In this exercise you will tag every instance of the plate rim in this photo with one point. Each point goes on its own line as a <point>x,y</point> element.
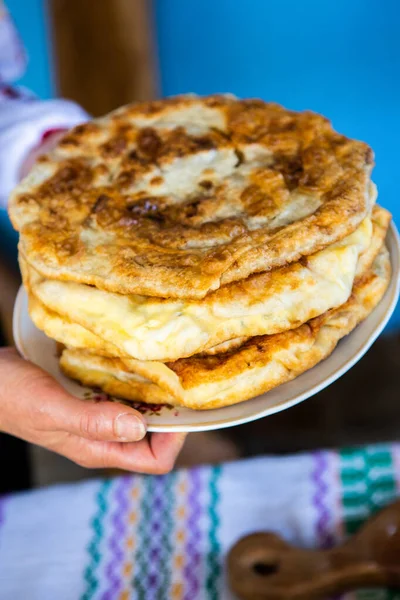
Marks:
<point>240,420</point>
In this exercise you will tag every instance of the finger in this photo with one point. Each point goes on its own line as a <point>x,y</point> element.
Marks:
<point>156,454</point>
<point>37,396</point>
<point>101,421</point>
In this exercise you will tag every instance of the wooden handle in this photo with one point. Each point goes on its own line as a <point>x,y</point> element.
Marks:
<point>262,566</point>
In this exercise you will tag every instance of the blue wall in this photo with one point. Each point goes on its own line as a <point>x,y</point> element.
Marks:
<point>340,58</point>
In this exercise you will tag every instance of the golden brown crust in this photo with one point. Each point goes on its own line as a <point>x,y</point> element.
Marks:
<point>177,197</point>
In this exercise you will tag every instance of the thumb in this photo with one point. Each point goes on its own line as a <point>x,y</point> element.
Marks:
<point>103,421</point>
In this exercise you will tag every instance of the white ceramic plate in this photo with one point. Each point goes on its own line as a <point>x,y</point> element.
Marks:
<point>38,348</point>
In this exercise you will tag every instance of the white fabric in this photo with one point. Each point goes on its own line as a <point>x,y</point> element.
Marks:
<point>159,538</point>
<point>48,537</point>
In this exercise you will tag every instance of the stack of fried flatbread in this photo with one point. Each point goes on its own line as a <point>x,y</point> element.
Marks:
<point>200,251</point>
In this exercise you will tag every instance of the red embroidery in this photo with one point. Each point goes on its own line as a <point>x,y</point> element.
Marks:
<point>50,132</point>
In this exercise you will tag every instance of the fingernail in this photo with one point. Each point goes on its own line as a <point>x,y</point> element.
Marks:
<point>129,427</point>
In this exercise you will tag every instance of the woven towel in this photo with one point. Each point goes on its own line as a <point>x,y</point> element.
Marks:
<point>142,537</point>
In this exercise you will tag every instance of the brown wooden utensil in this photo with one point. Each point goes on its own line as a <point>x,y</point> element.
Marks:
<point>262,566</point>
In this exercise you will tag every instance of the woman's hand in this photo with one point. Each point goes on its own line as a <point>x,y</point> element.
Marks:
<point>34,407</point>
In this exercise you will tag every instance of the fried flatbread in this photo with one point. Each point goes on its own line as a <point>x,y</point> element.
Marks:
<point>152,329</point>
<point>177,197</point>
<point>256,367</point>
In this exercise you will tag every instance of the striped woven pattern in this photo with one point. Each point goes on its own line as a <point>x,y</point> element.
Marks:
<point>156,538</point>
